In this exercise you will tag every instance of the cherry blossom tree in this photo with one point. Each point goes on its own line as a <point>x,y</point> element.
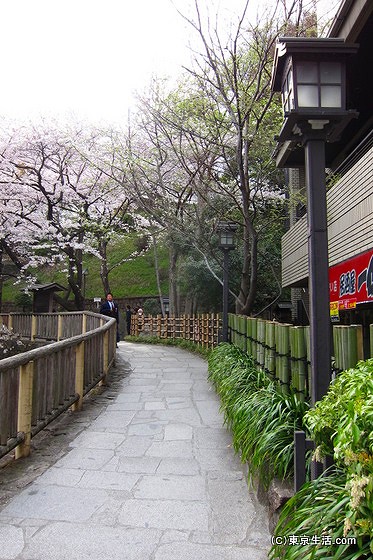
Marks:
<point>58,206</point>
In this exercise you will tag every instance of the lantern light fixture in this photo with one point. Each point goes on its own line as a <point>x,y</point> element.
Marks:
<point>227,232</point>
<point>311,76</point>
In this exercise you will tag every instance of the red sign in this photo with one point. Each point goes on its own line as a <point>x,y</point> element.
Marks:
<point>351,282</point>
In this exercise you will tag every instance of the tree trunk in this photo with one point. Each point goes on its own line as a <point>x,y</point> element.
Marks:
<point>104,271</point>
<point>156,264</point>
<point>173,279</point>
<point>75,276</point>
<point>1,280</point>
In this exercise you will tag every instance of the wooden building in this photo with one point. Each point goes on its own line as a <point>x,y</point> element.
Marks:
<point>350,190</point>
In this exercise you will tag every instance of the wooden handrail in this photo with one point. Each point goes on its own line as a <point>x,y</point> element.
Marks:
<point>34,390</point>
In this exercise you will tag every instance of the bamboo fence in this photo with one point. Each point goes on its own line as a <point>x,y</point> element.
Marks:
<point>281,350</point>
<point>201,329</point>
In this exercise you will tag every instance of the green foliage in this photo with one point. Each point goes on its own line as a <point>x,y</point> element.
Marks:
<point>197,282</point>
<point>24,301</point>
<point>261,418</point>
<point>133,278</point>
<point>342,424</point>
<point>152,307</point>
<point>317,513</point>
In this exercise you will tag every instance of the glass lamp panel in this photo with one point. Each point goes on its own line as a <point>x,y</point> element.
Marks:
<point>330,72</point>
<point>285,95</point>
<point>331,96</point>
<point>308,96</point>
<point>226,239</point>
<point>307,72</point>
<point>290,90</point>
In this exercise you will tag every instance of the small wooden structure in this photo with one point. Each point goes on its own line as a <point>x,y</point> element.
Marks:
<point>43,301</point>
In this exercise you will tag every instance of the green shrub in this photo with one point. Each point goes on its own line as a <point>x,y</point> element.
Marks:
<point>261,418</point>
<point>342,424</point>
<point>312,523</point>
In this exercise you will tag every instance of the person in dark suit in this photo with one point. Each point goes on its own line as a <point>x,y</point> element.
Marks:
<point>110,309</point>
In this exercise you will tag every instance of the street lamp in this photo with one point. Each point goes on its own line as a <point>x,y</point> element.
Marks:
<point>226,243</point>
<point>311,75</point>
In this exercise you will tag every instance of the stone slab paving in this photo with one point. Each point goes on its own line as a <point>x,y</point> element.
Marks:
<point>149,475</point>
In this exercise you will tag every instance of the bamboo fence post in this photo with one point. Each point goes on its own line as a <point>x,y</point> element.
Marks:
<point>249,336</point>
<point>254,326</point>
<point>236,335</point>
<point>348,345</point>
<point>359,342</point>
<point>261,329</point>
<point>216,324</point>
<point>270,342</point>
<point>231,334</point>
<point>299,365</point>
<point>307,337</point>
<point>282,347</point>
<point>205,330</point>
<point>243,333</point>
<point>10,321</point>
<point>24,416</point>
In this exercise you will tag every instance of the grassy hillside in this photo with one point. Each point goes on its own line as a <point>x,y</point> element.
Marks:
<point>134,278</point>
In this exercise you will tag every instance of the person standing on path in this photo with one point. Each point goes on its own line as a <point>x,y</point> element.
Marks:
<point>110,309</point>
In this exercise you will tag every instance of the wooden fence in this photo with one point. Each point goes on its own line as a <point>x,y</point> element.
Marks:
<point>200,329</point>
<point>37,386</point>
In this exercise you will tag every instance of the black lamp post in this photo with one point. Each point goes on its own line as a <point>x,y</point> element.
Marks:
<point>311,75</point>
<point>226,244</point>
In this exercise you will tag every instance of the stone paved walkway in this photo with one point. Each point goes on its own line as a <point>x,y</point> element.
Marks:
<point>146,473</point>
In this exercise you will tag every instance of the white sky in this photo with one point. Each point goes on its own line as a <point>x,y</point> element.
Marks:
<point>85,57</point>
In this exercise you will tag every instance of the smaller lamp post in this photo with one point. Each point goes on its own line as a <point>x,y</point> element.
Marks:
<point>226,243</point>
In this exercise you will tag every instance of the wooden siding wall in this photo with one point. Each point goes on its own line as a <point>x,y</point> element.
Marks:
<point>294,254</point>
<point>350,223</point>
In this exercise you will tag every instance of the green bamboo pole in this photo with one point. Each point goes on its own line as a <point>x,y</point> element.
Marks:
<point>249,333</point>
<point>283,348</point>
<point>371,340</point>
<point>298,351</point>
<point>254,323</point>
<point>261,330</point>
<point>231,324</point>
<point>270,360</point>
<point>242,327</point>
<point>233,332</point>
<point>348,340</point>
<point>336,345</point>
<point>238,334</point>
<point>308,354</point>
